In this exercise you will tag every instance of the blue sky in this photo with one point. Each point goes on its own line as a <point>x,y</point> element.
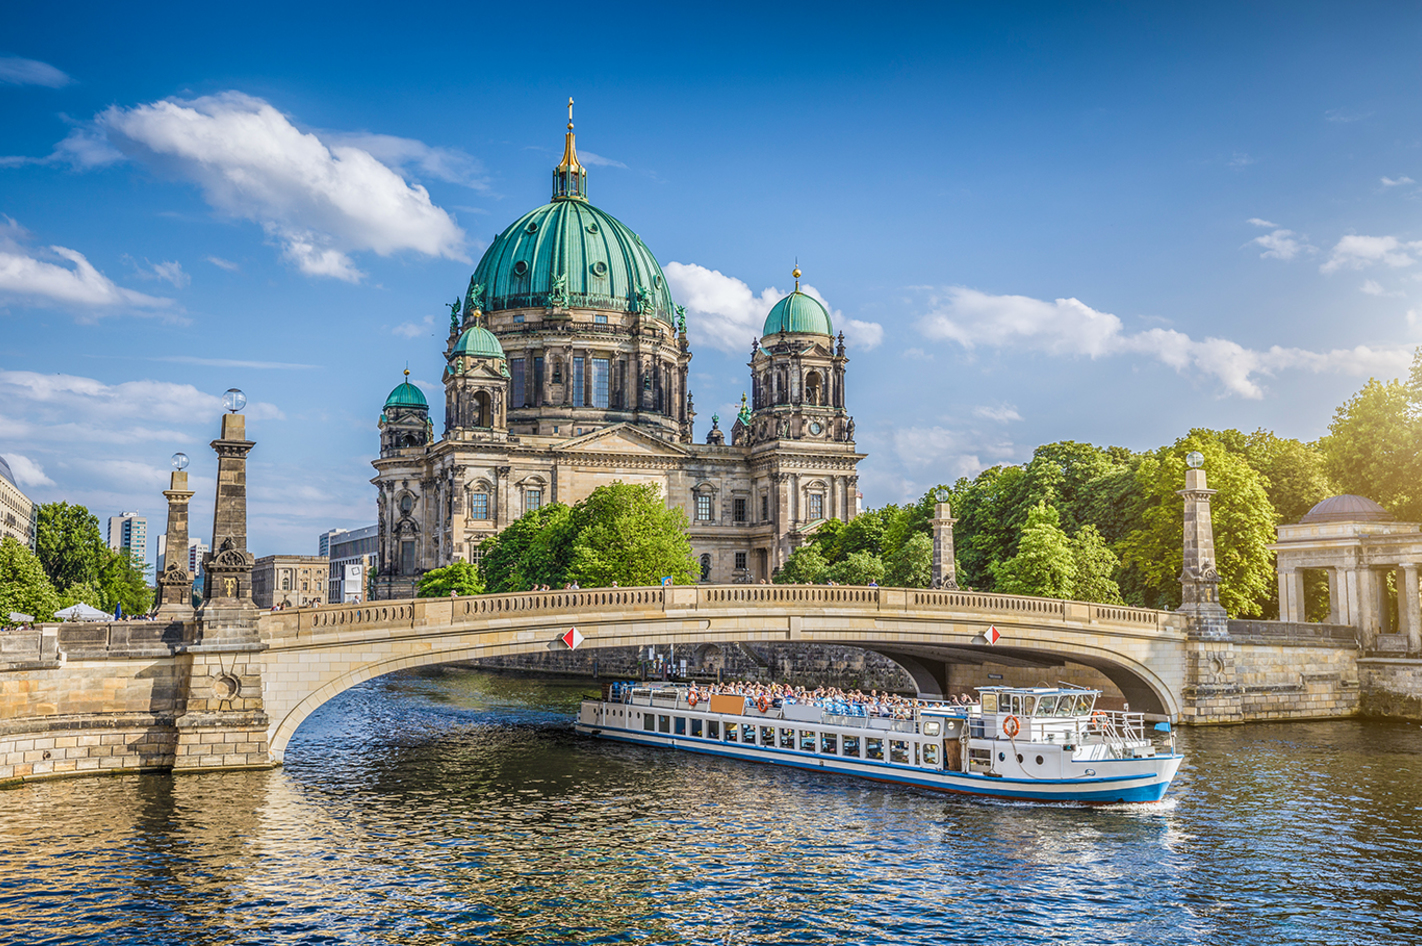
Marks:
<point>1035,222</point>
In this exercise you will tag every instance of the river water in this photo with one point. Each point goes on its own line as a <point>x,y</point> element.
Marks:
<point>457,807</point>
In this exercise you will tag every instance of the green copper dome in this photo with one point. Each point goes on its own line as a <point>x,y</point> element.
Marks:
<point>602,264</point>
<point>480,343</point>
<point>407,395</point>
<point>798,312</point>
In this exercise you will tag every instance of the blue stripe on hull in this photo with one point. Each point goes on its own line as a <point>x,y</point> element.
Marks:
<point>987,787</point>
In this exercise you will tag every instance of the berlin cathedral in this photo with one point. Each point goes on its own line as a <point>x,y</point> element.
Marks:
<point>566,369</point>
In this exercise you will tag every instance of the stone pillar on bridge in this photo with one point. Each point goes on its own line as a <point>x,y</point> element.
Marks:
<point>224,724</point>
<point>1199,578</point>
<point>175,584</point>
<point>945,567</point>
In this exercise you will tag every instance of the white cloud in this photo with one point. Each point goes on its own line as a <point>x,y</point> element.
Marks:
<point>320,202</point>
<point>1259,222</point>
<point>597,160</point>
<point>1281,244</point>
<point>1374,288</point>
<point>62,397</point>
<point>221,263</point>
<point>171,271</point>
<point>27,472</point>
<point>17,71</point>
<point>1070,327</point>
<point>725,314</point>
<point>39,276</point>
<point>1241,159</point>
<point>413,330</point>
<point>1339,115</point>
<point>1360,252</point>
<point>443,164</point>
<point>1002,413</point>
<point>1397,181</point>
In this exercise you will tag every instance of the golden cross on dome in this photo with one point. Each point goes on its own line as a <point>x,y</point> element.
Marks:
<point>570,113</point>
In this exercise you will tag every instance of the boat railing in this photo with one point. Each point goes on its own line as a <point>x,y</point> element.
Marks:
<point>1117,725</point>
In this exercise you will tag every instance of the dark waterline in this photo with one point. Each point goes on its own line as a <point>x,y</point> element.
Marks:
<point>457,807</point>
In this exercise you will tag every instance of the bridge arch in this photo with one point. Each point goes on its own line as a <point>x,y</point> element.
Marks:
<point>315,654</point>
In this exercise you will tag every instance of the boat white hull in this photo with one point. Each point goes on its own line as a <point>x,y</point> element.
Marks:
<point>1116,780</point>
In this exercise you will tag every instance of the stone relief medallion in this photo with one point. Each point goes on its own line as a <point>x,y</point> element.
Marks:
<point>226,686</point>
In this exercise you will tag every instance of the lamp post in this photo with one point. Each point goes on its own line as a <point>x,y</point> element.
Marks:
<point>175,584</point>
<point>227,608</point>
<point>1199,577</point>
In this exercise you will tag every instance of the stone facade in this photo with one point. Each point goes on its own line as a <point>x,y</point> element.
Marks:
<point>17,512</point>
<point>1273,670</point>
<point>290,581</point>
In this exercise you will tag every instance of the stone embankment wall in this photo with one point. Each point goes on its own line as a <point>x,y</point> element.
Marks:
<point>109,704</point>
<point>1391,687</point>
<point>1268,670</point>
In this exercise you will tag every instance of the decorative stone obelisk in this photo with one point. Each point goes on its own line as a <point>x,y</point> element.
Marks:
<point>225,725</point>
<point>228,612</point>
<point>1199,578</point>
<point>945,567</point>
<point>175,584</point>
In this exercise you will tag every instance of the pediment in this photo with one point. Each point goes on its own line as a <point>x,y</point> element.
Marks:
<point>624,440</point>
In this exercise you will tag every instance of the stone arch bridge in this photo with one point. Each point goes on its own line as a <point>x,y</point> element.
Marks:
<point>312,655</point>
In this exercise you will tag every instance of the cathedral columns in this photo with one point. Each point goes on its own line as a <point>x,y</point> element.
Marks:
<point>501,496</point>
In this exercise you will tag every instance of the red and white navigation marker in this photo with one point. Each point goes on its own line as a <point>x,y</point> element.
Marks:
<point>992,635</point>
<point>572,638</point>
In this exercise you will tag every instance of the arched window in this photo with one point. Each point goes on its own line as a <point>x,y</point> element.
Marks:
<point>706,567</point>
<point>483,410</point>
<point>814,394</point>
<point>407,502</point>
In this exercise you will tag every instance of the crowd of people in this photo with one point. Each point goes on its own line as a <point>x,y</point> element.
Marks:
<point>851,702</point>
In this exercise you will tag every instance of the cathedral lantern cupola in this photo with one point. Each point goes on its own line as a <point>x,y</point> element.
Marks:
<point>476,382</point>
<point>405,421</point>
<point>570,178</point>
<point>797,374</point>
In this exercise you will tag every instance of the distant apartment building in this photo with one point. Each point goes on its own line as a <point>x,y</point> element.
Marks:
<point>351,553</point>
<point>128,531</point>
<point>290,581</point>
<point>17,512</point>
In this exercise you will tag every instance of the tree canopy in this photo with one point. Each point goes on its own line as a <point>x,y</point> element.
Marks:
<point>461,578</point>
<point>24,587</point>
<point>622,533</point>
<point>82,567</point>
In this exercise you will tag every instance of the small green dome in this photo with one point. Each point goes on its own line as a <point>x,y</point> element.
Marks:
<point>479,342</point>
<point>406,395</point>
<point>602,264</point>
<point>798,312</point>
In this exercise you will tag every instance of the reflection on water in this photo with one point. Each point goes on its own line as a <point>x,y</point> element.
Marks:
<point>457,807</point>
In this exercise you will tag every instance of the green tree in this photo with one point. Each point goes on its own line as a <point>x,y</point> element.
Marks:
<point>122,582</point>
<point>462,578</point>
<point>1372,445</point>
<point>81,594</point>
<point>626,534</point>
<point>1243,519</point>
<point>1044,564</point>
<point>805,566</point>
<point>24,587</point>
<point>68,544</point>
<point>522,555</point>
<point>1093,565</point>
<point>911,566</point>
<point>856,568</point>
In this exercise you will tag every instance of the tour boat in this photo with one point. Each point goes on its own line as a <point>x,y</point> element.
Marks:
<point>1037,744</point>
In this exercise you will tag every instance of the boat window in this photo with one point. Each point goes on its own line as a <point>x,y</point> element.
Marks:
<point>648,723</point>
<point>1085,702</point>
<point>681,726</point>
<point>874,749</point>
<point>787,738</point>
<point>829,743</point>
<point>989,702</point>
<point>1066,704</point>
<point>807,741</point>
<point>696,727</point>
<point>664,723</point>
<point>930,754</point>
<point>931,727</point>
<point>748,734</point>
<point>767,735</point>
<point>731,732</point>
<point>1029,705</point>
<point>713,729</point>
<point>850,745</point>
<point>1047,706</point>
<point>898,751</point>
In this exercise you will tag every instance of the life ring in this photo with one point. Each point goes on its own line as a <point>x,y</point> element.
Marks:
<point>692,700</point>
<point>763,703</point>
<point>1098,719</point>
<point>1011,727</point>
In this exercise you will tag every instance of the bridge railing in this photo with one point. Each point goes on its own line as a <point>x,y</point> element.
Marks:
<point>444,611</point>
